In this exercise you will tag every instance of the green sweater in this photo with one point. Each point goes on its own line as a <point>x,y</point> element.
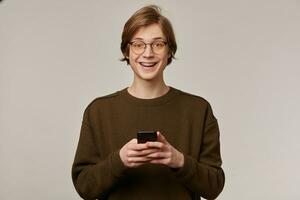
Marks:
<point>110,121</point>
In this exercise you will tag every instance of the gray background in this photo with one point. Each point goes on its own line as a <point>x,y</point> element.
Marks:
<point>241,55</point>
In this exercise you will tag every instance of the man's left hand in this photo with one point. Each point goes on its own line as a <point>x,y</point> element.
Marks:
<point>166,153</point>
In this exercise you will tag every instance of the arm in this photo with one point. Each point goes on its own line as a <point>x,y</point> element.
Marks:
<point>93,175</point>
<point>205,176</point>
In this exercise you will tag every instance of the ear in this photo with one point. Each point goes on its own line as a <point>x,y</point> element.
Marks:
<point>126,56</point>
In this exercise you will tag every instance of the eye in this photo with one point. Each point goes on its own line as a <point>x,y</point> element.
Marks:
<point>159,44</point>
<point>138,45</point>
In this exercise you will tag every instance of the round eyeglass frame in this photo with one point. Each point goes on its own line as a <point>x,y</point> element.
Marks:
<point>145,46</point>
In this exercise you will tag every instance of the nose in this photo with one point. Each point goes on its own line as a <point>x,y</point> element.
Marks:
<point>148,51</point>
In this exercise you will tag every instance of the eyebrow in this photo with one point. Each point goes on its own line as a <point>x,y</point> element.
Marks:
<point>156,38</point>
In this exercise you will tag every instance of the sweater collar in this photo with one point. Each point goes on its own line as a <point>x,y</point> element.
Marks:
<point>149,102</point>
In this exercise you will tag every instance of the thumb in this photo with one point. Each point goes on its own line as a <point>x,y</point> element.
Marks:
<point>161,138</point>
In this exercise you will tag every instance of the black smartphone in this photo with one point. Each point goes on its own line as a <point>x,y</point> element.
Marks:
<point>144,136</point>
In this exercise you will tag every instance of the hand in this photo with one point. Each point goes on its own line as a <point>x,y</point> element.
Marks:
<point>133,154</point>
<point>166,155</point>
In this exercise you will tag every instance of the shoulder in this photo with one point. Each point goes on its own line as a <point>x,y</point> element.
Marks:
<point>102,100</point>
<point>192,98</point>
<point>197,102</point>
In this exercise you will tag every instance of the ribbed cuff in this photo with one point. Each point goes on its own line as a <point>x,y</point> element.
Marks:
<point>187,170</point>
<point>117,166</point>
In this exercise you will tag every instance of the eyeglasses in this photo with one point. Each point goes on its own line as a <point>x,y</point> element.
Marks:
<point>139,47</point>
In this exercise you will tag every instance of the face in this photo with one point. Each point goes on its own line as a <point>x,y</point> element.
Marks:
<point>149,65</point>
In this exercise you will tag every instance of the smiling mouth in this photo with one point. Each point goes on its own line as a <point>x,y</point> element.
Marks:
<point>148,64</point>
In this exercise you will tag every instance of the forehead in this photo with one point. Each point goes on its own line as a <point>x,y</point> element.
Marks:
<point>150,32</point>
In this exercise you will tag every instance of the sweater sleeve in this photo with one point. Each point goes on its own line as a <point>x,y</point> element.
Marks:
<point>93,175</point>
<point>205,175</point>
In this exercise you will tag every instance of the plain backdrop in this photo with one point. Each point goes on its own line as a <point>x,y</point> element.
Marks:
<point>243,56</point>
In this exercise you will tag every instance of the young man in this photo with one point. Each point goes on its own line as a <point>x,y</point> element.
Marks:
<point>184,162</point>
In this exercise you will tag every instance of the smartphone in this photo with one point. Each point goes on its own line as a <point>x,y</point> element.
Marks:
<point>144,136</point>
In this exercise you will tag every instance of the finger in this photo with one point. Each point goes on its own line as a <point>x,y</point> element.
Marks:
<point>155,145</point>
<point>133,141</point>
<point>138,147</point>
<point>142,152</point>
<point>137,164</point>
<point>164,161</point>
<point>159,155</point>
<point>161,138</point>
<point>137,159</point>
<point>149,151</point>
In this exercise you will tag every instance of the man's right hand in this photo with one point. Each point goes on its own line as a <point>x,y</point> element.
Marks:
<point>133,154</point>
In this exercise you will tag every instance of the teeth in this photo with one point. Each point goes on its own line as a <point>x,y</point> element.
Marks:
<point>148,64</point>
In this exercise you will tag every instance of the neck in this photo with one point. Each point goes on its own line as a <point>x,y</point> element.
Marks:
<point>148,90</point>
